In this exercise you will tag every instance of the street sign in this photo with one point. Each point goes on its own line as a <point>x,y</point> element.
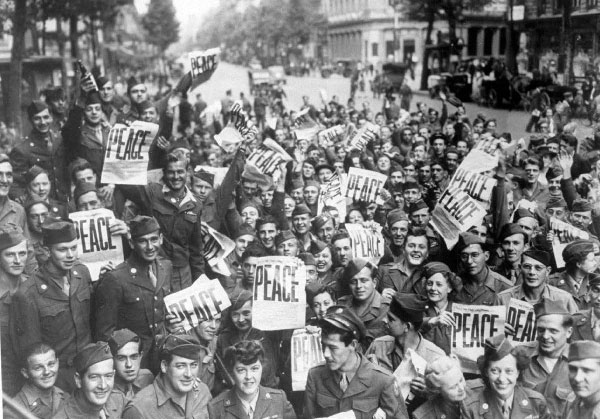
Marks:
<point>518,13</point>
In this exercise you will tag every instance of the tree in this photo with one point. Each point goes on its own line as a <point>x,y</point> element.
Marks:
<point>13,102</point>
<point>161,24</point>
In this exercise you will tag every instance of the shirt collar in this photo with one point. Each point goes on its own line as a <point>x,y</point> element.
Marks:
<point>188,194</point>
<point>162,395</point>
<point>251,404</point>
<point>32,394</point>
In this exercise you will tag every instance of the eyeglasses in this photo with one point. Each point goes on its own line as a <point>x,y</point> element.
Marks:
<point>465,256</point>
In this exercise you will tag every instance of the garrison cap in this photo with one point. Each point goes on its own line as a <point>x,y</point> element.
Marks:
<point>131,82</point>
<point>539,255</point>
<point>317,246</point>
<point>553,172</point>
<point>522,213</point>
<point>581,205</point>
<point>33,172</point>
<point>577,250</point>
<point>58,231</point>
<point>497,347</point>
<point>584,349</point>
<point>411,183</point>
<point>395,216</point>
<point>120,338</point>
<point>185,346</point>
<point>11,238</point>
<point>313,183</point>
<point>408,307</point>
<point>284,236</point>
<point>355,266</point>
<point>101,81</point>
<point>324,166</point>
<point>344,319</point>
<point>93,98</point>
<point>244,229</point>
<point>91,354</point>
<point>36,107</point>
<point>433,268</point>
<point>82,188</point>
<point>146,104</point>
<point>307,258</point>
<point>297,183</point>
<point>142,225</point>
<point>320,220</point>
<point>180,143</point>
<point>467,239</point>
<point>300,209</point>
<point>205,176</point>
<point>547,306</point>
<point>511,229</point>
<point>417,206</point>
<point>556,202</point>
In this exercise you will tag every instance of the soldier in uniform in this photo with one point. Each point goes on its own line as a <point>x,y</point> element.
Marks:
<point>502,397</point>
<point>584,376</point>
<point>206,333</point>
<point>131,296</point>
<point>176,391</point>
<point>126,349</point>
<point>348,381</point>
<point>94,379</point>
<point>39,395</point>
<point>535,268</point>
<point>248,399</point>
<point>585,323</point>
<point>54,305</point>
<point>548,372</point>
<point>11,213</point>
<point>513,240</point>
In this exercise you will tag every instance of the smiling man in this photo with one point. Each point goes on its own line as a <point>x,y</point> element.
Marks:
<point>584,376</point>
<point>514,242</point>
<point>94,379</point>
<point>248,399</point>
<point>126,349</point>
<point>53,306</point>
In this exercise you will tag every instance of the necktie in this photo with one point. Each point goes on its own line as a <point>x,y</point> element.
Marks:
<point>66,288</point>
<point>152,276</point>
<point>505,410</point>
<point>344,382</point>
<point>596,331</point>
<point>250,412</point>
<point>102,414</point>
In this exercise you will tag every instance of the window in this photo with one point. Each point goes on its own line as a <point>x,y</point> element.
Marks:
<point>502,50</point>
<point>374,49</point>
<point>488,41</point>
<point>389,48</point>
<point>472,34</point>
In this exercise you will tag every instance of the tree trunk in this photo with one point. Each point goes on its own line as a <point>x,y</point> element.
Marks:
<point>567,40</point>
<point>44,37</point>
<point>510,53</point>
<point>61,39</point>
<point>35,38</point>
<point>94,42</point>
<point>74,37</point>
<point>425,68</point>
<point>13,111</point>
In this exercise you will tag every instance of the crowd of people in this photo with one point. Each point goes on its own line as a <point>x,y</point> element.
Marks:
<point>74,346</point>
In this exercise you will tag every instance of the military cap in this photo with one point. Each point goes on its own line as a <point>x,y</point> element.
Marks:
<point>33,200</point>
<point>132,82</point>
<point>320,220</point>
<point>120,338</point>
<point>497,347</point>
<point>283,236</point>
<point>536,140</point>
<point>417,206</point>
<point>300,209</point>
<point>397,188</point>
<point>522,213</point>
<point>4,158</point>
<point>101,81</point>
<point>556,202</point>
<point>205,176</point>
<point>437,135</point>
<point>507,136</point>
<point>581,205</point>
<point>33,172</point>
<point>433,268</point>
<point>185,346</point>
<point>547,306</point>
<point>511,229</point>
<point>395,216</point>
<point>180,143</point>
<point>324,166</point>
<point>142,225</point>
<point>451,149</point>
<point>82,188</point>
<point>10,238</point>
<point>307,258</point>
<point>244,229</point>
<point>395,167</point>
<point>577,250</point>
<point>408,307</point>
<point>553,172</point>
<point>467,239</point>
<point>344,319</point>
<point>91,354</point>
<point>539,255</point>
<point>312,183</point>
<point>36,107</point>
<point>58,231</point>
<point>584,349</point>
<point>317,246</point>
<point>310,160</point>
<point>411,183</point>
<point>516,172</point>
<point>297,183</point>
<point>355,266</point>
<point>93,98</point>
<point>249,203</point>
<point>146,104</point>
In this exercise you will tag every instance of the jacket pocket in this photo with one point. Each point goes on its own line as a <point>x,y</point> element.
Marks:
<point>55,321</point>
<point>365,407</point>
<point>327,405</point>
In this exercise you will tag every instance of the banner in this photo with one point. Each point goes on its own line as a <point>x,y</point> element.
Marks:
<point>474,324</point>
<point>521,317</point>
<point>366,243</point>
<point>126,154</point>
<point>474,184</point>
<point>478,161</point>
<point>216,248</point>
<point>364,185</point>
<point>455,212</point>
<point>267,157</point>
<point>201,301</point>
<point>306,353</point>
<point>279,296</point>
<point>564,233</point>
<point>367,133</point>
<point>96,246</point>
<point>241,121</point>
<point>331,194</point>
<point>203,61</point>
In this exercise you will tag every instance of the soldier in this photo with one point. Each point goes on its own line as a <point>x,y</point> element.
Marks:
<point>348,381</point>
<point>131,296</point>
<point>514,241</point>
<point>585,323</point>
<point>126,349</point>
<point>39,395</point>
<point>11,213</point>
<point>94,379</point>
<point>248,399</point>
<point>54,305</point>
<point>548,371</point>
<point>584,376</point>
<point>176,391</point>
<point>206,333</point>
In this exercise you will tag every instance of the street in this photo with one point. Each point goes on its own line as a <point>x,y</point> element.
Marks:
<point>229,76</point>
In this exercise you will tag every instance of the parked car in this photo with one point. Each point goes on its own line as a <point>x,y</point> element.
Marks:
<point>277,74</point>
<point>258,79</point>
<point>326,70</point>
<point>458,84</point>
<point>392,77</point>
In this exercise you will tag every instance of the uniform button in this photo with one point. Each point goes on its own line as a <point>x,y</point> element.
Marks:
<point>137,299</point>
<point>133,270</point>
<point>524,402</point>
<point>54,209</point>
<point>485,406</point>
<point>38,159</point>
<point>172,199</point>
<point>155,298</point>
<point>32,145</point>
<point>74,272</point>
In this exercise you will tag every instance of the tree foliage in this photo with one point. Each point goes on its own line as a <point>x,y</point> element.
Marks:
<point>161,24</point>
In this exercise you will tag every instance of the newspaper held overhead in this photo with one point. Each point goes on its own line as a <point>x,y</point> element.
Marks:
<point>332,194</point>
<point>306,353</point>
<point>364,185</point>
<point>564,233</point>
<point>366,243</point>
<point>201,301</point>
<point>202,62</point>
<point>96,246</point>
<point>364,136</point>
<point>216,248</point>
<point>279,299</point>
<point>267,157</point>
<point>126,155</point>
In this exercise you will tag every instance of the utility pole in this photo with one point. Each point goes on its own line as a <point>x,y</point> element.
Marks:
<point>396,5</point>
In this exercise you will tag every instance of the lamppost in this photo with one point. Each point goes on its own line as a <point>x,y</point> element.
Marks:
<point>396,5</point>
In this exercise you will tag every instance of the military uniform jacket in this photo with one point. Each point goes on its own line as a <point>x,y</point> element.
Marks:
<point>78,408</point>
<point>271,404</point>
<point>582,326</point>
<point>438,408</point>
<point>527,404</point>
<point>471,293</point>
<point>389,355</point>
<point>154,402</point>
<point>581,296</point>
<point>578,410</point>
<point>47,314</point>
<point>371,388</point>
<point>125,298</point>
<point>395,276</point>
<point>374,317</point>
<point>29,398</point>
<point>549,292</point>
